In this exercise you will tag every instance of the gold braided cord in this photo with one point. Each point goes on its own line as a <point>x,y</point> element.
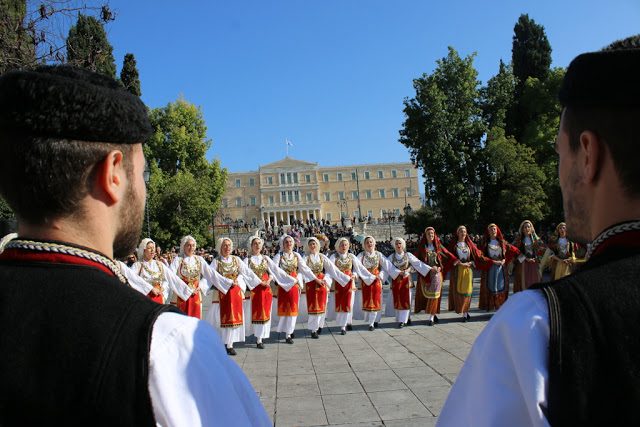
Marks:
<point>190,272</point>
<point>58,248</point>
<point>289,266</point>
<point>155,277</point>
<point>402,263</point>
<point>228,269</point>
<point>316,267</point>
<point>370,261</point>
<point>618,229</point>
<point>344,264</point>
<point>259,269</point>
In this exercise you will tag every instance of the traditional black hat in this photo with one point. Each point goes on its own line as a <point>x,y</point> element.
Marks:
<point>606,78</point>
<point>71,103</point>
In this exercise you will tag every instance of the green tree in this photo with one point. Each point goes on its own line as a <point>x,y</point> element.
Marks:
<point>423,218</point>
<point>185,188</point>
<point>129,75</point>
<point>514,190</point>
<point>443,132</point>
<point>5,210</point>
<point>498,97</point>
<point>88,47</point>
<point>31,31</point>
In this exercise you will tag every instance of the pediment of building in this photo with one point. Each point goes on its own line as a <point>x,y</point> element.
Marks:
<point>288,163</point>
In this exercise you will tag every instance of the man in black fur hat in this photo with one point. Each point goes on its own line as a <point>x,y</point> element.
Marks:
<point>78,345</point>
<point>567,352</point>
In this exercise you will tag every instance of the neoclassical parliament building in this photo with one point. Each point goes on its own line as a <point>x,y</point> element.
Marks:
<point>290,189</point>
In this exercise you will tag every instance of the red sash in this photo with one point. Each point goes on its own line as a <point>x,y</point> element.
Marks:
<point>261,298</point>
<point>343,295</point>
<point>372,294</point>
<point>288,300</point>
<point>401,296</point>
<point>317,297</point>
<point>231,307</point>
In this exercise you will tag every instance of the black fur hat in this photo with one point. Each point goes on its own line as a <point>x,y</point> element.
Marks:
<point>71,103</point>
<point>606,78</point>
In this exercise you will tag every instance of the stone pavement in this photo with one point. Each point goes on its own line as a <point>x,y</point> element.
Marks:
<point>389,376</point>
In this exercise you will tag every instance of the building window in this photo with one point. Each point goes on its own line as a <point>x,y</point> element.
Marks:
<point>295,177</point>
<point>327,197</point>
<point>307,178</point>
<point>238,182</point>
<point>254,220</point>
<point>381,194</point>
<point>396,212</point>
<point>328,216</point>
<point>283,197</point>
<point>296,196</point>
<point>271,201</point>
<point>252,182</point>
<point>354,195</point>
<point>370,214</point>
<point>238,201</point>
<point>340,195</point>
<point>325,177</point>
<point>270,180</point>
<point>353,176</point>
<point>224,203</point>
<point>394,192</point>
<point>394,174</point>
<point>380,174</point>
<point>367,194</point>
<point>356,214</point>
<point>339,176</point>
<point>366,175</point>
<point>407,173</point>
<point>282,179</point>
<point>252,201</point>
<point>309,196</point>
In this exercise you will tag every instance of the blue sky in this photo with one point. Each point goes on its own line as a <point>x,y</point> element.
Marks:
<point>329,75</point>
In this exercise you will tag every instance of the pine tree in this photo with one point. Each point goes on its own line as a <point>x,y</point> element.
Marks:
<point>129,75</point>
<point>88,47</point>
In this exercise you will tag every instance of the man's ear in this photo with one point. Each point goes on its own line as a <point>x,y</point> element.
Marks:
<point>591,147</point>
<point>110,178</point>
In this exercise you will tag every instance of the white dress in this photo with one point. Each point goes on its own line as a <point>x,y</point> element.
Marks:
<point>402,316</point>
<point>386,269</point>
<point>357,271</point>
<point>287,324</point>
<point>263,330</point>
<point>170,281</point>
<point>245,277</point>
<point>331,272</point>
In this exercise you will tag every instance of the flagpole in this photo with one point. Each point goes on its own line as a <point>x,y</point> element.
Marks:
<point>286,142</point>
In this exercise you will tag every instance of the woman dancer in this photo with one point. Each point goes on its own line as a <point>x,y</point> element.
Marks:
<point>226,312</point>
<point>381,268</point>
<point>401,285</point>
<point>194,271</point>
<point>532,250</point>
<point>563,253</point>
<point>429,287</point>
<point>289,295</point>
<point>318,294</point>
<point>261,295</point>
<point>461,279</point>
<point>344,295</point>
<point>494,285</point>
<point>157,275</point>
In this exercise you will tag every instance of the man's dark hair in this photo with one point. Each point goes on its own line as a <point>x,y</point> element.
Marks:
<point>57,123</point>
<point>601,93</point>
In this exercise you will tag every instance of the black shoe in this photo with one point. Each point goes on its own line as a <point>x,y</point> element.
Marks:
<point>314,335</point>
<point>231,352</point>
<point>289,340</point>
<point>401,325</point>
<point>430,323</point>
<point>260,345</point>
<point>349,328</point>
<point>468,317</point>
<point>293,334</point>
<point>375,324</point>
<point>343,332</point>
<point>319,331</point>
<point>435,319</point>
<point>465,320</point>
<point>409,322</point>
<point>371,328</point>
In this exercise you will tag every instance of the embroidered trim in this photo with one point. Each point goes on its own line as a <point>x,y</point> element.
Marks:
<point>613,231</point>
<point>68,250</point>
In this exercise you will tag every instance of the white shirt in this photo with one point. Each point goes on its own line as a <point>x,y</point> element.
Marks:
<point>504,380</point>
<point>192,380</point>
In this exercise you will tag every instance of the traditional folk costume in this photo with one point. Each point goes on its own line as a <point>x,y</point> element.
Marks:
<point>461,278</point>
<point>345,294</point>
<point>371,295</point>
<point>531,248</point>
<point>429,287</point>
<point>565,249</point>
<point>262,296</point>
<point>402,285</point>
<point>494,284</point>
<point>289,294</point>
<point>318,295</point>
<point>158,275</point>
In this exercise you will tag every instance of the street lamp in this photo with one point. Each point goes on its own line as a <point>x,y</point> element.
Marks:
<point>389,214</point>
<point>227,220</point>
<point>407,211</point>
<point>146,175</point>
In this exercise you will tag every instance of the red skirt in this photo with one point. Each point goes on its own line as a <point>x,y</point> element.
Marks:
<point>261,298</point>
<point>372,296</point>
<point>159,299</point>
<point>343,297</point>
<point>288,301</point>
<point>401,296</point>
<point>316,297</point>
<point>192,306</point>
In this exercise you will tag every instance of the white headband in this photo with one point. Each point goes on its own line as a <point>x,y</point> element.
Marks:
<point>142,247</point>
<point>184,241</point>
